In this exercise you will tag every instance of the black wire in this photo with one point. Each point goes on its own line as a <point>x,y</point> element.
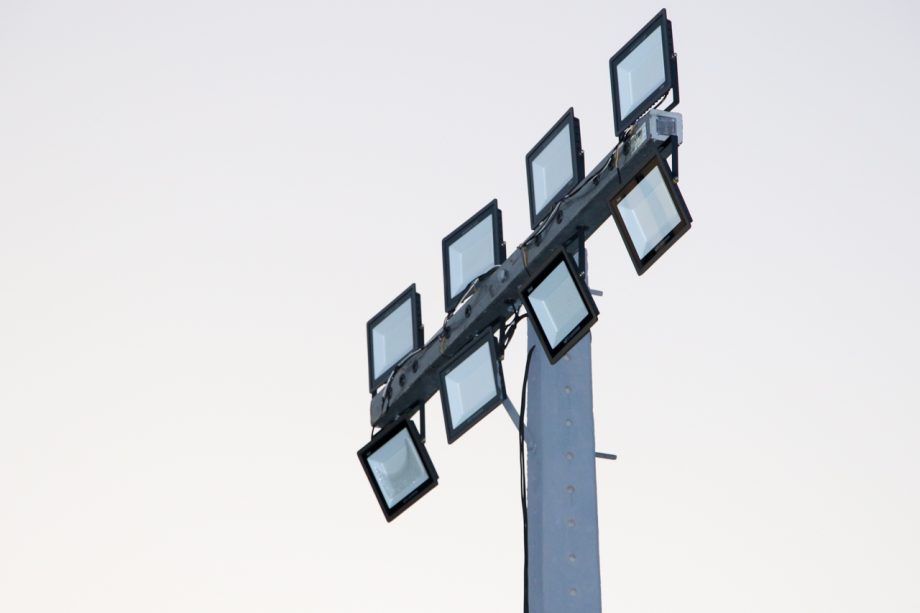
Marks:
<point>523,474</point>
<point>508,332</point>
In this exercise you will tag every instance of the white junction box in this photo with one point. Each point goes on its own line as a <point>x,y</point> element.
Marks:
<point>659,126</point>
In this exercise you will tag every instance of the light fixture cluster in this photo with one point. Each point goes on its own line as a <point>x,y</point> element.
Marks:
<point>648,210</point>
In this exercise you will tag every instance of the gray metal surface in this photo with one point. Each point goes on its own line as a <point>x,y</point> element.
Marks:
<point>564,564</point>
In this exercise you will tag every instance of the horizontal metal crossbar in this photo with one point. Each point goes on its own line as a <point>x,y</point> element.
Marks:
<point>496,295</point>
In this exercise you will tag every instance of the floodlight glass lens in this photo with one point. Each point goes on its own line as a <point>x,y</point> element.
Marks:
<point>470,385</point>
<point>552,169</point>
<point>640,73</point>
<point>392,338</point>
<point>649,212</point>
<point>558,305</point>
<point>471,255</point>
<point>397,468</point>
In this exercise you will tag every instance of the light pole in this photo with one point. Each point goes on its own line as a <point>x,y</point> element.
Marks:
<point>484,293</point>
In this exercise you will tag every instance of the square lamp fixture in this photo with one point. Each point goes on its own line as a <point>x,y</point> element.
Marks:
<point>470,250</point>
<point>560,306</point>
<point>554,166</point>
<point>398,468</point>
<point>650,213</point>
<point>643,72</point>
<point>392,334</point>
<point>471,387</point>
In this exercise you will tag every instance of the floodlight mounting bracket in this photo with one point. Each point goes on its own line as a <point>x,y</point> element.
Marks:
<point>584,211</point>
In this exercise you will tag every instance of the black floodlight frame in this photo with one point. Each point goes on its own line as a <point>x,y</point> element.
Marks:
<point>453,433</point>
<point>418,333</point>
<point>578,164</point>
<point>498,247</point>
<point>670,73</point>
<point>643,264</point>
<point>378,441</point>
<point>582,328</point>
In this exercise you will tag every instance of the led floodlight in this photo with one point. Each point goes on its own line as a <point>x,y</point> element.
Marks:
<point>471,387</point>
<point>554,166</point>
<point>643,72</point>
<point>470,250</point>
<point>650,214</point>
<point>398,468</point>
<point>560,306</point>
<point>392,334</point>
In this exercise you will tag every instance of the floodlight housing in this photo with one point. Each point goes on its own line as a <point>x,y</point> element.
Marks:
<point>471,387</point>
<point>559,306</point>
<point>470,250</point>
<point>398,467</point>
<point>650,213</point>
<point>392,334</point>
<point>555,165</point>
<point>642,72</point>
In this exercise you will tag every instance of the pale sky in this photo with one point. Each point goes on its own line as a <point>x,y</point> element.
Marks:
<point>202,203</point>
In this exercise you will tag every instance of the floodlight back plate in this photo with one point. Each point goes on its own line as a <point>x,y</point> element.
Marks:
<point>621,124</point>
<point>578,165</point>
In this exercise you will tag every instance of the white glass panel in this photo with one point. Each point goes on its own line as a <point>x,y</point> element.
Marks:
<point>470,255</point>
<point>470,385</point>
<point>552,169</point>
<point>649,212</point>
<point>397,468</point>
<point>640,73</point>
<point>558,305</point>
<point>392,338</point>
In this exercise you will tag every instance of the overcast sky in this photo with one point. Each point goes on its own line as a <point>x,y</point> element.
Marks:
<point>202,203</point>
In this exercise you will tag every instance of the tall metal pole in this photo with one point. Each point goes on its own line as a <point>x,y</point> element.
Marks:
<point>563,558</point>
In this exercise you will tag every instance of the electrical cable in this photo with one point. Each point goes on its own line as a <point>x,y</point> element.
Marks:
<point>508,331</point>
<point>523,474</point>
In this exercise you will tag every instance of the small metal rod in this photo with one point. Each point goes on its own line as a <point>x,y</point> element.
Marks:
<point>605,456</point>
